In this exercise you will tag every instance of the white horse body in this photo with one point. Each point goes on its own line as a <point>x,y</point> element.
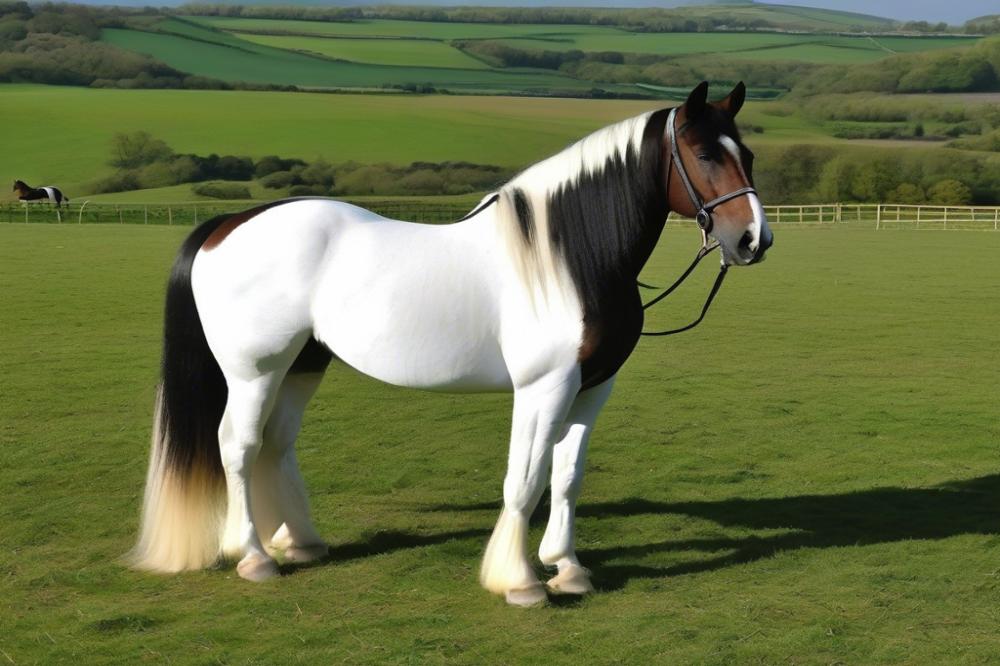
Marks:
<point>435,307</point>
<point>535,292</point>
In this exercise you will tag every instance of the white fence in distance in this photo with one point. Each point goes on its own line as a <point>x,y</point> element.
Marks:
<point>877,216</point>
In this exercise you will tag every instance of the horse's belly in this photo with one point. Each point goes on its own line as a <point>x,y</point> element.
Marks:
<point>413,307</point>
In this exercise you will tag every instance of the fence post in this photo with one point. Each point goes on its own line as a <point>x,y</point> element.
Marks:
<point>945,217</point>
<point>919,208</point>
<point>996,218</point>
<point>878,216</point>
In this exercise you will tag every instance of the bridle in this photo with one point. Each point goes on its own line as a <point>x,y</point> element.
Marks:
<point>704,219</point>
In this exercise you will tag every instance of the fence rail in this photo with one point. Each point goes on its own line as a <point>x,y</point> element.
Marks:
<point>877,216</point>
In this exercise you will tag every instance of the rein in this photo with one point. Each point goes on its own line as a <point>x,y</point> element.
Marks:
<point>704,219</point>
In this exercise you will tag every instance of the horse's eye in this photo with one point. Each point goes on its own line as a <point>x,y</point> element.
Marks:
<point>704,157</point>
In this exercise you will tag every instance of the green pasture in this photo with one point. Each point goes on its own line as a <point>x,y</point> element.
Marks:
<point>261,64</point>
<point>815,48</point>
<point>80,123</point>
<point>369,54</point>
<point>822,49</point>
<point>402,52</point>
<point>394,28</point>
<point>810,477</point>
<point>399,129</point>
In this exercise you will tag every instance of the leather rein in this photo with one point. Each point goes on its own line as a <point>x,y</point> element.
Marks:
<point>704,220</point>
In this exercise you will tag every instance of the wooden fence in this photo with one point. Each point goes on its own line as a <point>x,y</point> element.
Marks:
<point>876,216</point>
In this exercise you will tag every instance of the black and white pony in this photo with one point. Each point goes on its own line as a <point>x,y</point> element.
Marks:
<point>26,193</point>
<point>533,292</point>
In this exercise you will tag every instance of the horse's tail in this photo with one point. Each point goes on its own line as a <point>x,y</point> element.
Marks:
<point>184,507</point>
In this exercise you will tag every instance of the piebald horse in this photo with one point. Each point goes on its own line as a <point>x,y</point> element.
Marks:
<point>533,292</point>
<point>26,193</point>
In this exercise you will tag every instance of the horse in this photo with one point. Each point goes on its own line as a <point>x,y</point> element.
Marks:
<point>27,193</point>
<point>533,292</point>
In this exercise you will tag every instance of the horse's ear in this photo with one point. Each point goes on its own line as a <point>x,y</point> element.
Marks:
<point>695,104</point>
<point>734,100</point>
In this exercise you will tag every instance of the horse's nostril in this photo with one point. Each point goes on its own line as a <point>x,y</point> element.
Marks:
<point>746,240</point>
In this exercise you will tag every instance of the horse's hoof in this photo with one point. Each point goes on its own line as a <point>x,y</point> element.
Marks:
<point>527,596</point>
<point>256,568</point>
<point>571,580</point>
<point>301,554</point>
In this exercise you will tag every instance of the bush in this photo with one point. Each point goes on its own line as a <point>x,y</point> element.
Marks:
<point>222,190</point>
<point>280,179</point>
<point>949,192</point>
<point>135,149</point>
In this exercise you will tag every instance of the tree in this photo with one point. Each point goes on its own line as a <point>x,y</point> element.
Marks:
<point>949,192</point>
<point>906,193</point>
<point>135,149</point>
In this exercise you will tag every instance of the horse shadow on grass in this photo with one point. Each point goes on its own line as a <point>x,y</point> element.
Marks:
<point>380,543</point>
<point>878,515</point>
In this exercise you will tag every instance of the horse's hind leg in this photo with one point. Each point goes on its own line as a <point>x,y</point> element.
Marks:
<point>240,438</point>
<point>558,545</point>
<point>278,484</point>
<point>539,412</point>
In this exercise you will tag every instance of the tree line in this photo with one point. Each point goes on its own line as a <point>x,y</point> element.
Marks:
<point>142,161</point>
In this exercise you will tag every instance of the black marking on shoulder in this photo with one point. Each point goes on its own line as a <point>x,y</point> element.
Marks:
<point>314,357</point>
<point>523,211</point>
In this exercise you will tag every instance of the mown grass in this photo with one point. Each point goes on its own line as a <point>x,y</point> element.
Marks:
<point>809,477</point>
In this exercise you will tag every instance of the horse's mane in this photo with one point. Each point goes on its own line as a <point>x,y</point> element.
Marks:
<point>582,213</point>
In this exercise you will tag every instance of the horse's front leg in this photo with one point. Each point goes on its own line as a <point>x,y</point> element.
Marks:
<point>558,546</point>
<point>539,411</point>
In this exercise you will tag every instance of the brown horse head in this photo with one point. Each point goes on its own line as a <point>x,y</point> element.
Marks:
<point>710,175</point>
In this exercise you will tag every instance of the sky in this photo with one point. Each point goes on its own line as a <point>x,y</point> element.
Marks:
<point>955,12</point>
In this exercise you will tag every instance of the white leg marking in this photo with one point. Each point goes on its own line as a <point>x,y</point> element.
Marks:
<point>278,486</point>
<point>558,546</point>
<point>241,438</point>
<point>539,412</point>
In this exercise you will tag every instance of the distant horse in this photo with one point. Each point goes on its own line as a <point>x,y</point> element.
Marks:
<point>533,292</point>
<point>26,192</point>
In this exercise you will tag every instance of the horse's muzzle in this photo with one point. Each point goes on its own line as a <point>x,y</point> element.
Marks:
<point>755,255</point>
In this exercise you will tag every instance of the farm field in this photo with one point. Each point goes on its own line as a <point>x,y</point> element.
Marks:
<point>375,53</point>
<point>510,131</point>
<point>262,64</point>
<point>828,494</point>
<point>821,49</point>
<point>403,52</point>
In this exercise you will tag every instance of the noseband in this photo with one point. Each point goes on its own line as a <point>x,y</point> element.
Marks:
<point>704,219</point>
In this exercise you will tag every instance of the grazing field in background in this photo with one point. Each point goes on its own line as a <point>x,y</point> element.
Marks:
<point>811,476</point>
<point>511,131</point>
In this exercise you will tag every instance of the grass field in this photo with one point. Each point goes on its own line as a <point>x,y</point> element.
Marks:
<point>374,53</point>
<point>263,64</point>
<point>401,52</point>
<point>81,122</point>
<point>822,49</point>
<point>811,477</point>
